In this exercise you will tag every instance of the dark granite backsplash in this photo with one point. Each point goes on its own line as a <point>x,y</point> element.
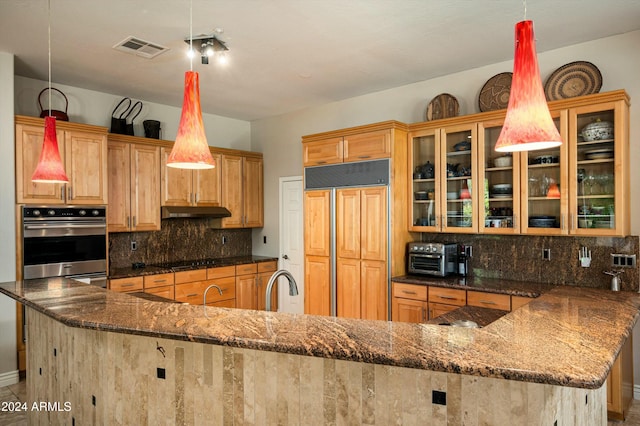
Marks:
<point>178,240</point>
<point>519,257</point>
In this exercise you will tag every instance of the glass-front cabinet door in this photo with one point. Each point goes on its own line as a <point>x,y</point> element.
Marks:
<point>499,192</point>
<point>424,151</point>
<point>459,193</point>
<point>598,135</point>
<point>545,187</point>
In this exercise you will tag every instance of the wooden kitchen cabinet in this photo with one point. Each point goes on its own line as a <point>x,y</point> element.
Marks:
<point>350,250</point>
<point>265,271</point>
<point>126,285</point>
<point>443,300</point>
<point>134,186</point>
<point>190,286</point>
<point>185,187</point>
<point>620,383</point>
<point>83,150</point>
<point>580,188</point>
<point>355,147</point>
<point>443,185</point>
<point>243,191</point>
<point>317,281</point>
<point>224,277</point>
<point>409,303</point>
<point>167,292</point>
<point>158,280</point>
<point>489,300</point>
<point>361,277</point>
<point>246,286</point>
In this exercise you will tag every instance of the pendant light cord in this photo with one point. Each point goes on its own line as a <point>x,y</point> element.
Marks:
<point>524,3</point>
<point>49,35</point>
<point>190,35</point>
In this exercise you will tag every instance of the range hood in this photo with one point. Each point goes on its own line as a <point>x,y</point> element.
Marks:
<point>174,212</point>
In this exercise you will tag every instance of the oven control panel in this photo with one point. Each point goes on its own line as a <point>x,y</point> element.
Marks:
<point>64,212</point>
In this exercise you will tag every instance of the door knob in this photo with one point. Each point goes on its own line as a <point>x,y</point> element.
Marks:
<point>285,257</point>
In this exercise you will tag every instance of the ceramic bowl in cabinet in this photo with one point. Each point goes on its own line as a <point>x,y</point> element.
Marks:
<point>598,130</point>
<point>504,161</point>
<point>452,195</point>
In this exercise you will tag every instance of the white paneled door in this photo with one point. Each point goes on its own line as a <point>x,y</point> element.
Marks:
<point>291,243</point>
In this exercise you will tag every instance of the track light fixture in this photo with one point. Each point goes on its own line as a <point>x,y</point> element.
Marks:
<point>208,47</point>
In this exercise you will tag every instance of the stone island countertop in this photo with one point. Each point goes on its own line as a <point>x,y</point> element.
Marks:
<point>568,336</point>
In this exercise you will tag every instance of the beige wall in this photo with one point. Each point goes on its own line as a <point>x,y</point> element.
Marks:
<point>91,107</point>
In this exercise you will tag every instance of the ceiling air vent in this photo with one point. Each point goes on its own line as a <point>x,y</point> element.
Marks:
<point>140,47</point>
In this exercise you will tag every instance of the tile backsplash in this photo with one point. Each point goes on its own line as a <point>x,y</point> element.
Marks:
<point>179,239</point>
<point>519,257</point>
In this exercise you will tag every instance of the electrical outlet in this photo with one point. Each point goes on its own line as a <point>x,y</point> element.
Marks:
<point>134,246</point>
<point>623,260</point>
<point>224,240</point>
<point>161,373</point>
<point>439,397</point>
<point>546,254</point>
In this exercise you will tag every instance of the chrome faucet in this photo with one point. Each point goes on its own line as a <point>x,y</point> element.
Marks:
<point>204,301</point>
<point>293,287</point>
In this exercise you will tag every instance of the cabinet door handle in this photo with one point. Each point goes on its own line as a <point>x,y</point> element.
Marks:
<point>515,221</point>
<point>159,281</point>
<point>70,193</point>
<point>424,314</point>
<point>192,295</point>
<point>128,221</point>
<point>364,156</point>
<point>321,162</point>
<point>197,197</point>
<point>61,193</point>
<point>447,297</point>
<point>127,285</point>
<point>487,302</point>
<point>134,222</point>
<point>562,221</point>
<point>409,292</point>
<point>571,226</point>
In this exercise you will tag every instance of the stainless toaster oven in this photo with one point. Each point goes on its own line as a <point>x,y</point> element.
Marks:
<point>436,259</point>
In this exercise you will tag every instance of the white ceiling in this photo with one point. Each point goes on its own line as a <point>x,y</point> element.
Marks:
<point>287,55</point>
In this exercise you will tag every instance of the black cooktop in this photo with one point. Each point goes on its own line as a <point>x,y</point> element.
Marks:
<point>182,264</point>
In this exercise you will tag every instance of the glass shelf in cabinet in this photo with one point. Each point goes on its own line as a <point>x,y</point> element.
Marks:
<point>456,153</point>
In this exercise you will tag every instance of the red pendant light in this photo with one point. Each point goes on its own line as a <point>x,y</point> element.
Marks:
<point>190,150</point>
<point>49,168</point>
<point>528,125</point>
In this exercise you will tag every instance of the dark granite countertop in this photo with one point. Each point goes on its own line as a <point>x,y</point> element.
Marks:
<point>481,316</point>
<point>154,269</point>
<point>568,336</point>
<point>489,285</point>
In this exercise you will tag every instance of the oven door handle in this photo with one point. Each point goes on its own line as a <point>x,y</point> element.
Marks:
<point>65,226</point>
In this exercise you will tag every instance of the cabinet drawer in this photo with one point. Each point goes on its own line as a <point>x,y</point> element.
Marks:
<point>126,284</point>
<point>192,293</point>
<point>168,291</point>
<point>228,287</point>
<point>410,291</point>
<point>489,300</point>
<point>327,151</point>
<point>159,280</point>
<point>267,266</point>
<point>449,296</point>
<point>221,272</point>
<point>367,146</point>
<point>191,276</point>
<point>249,268</point>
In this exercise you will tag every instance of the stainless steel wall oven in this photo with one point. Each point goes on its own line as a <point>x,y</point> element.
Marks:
<point>65,241</point>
